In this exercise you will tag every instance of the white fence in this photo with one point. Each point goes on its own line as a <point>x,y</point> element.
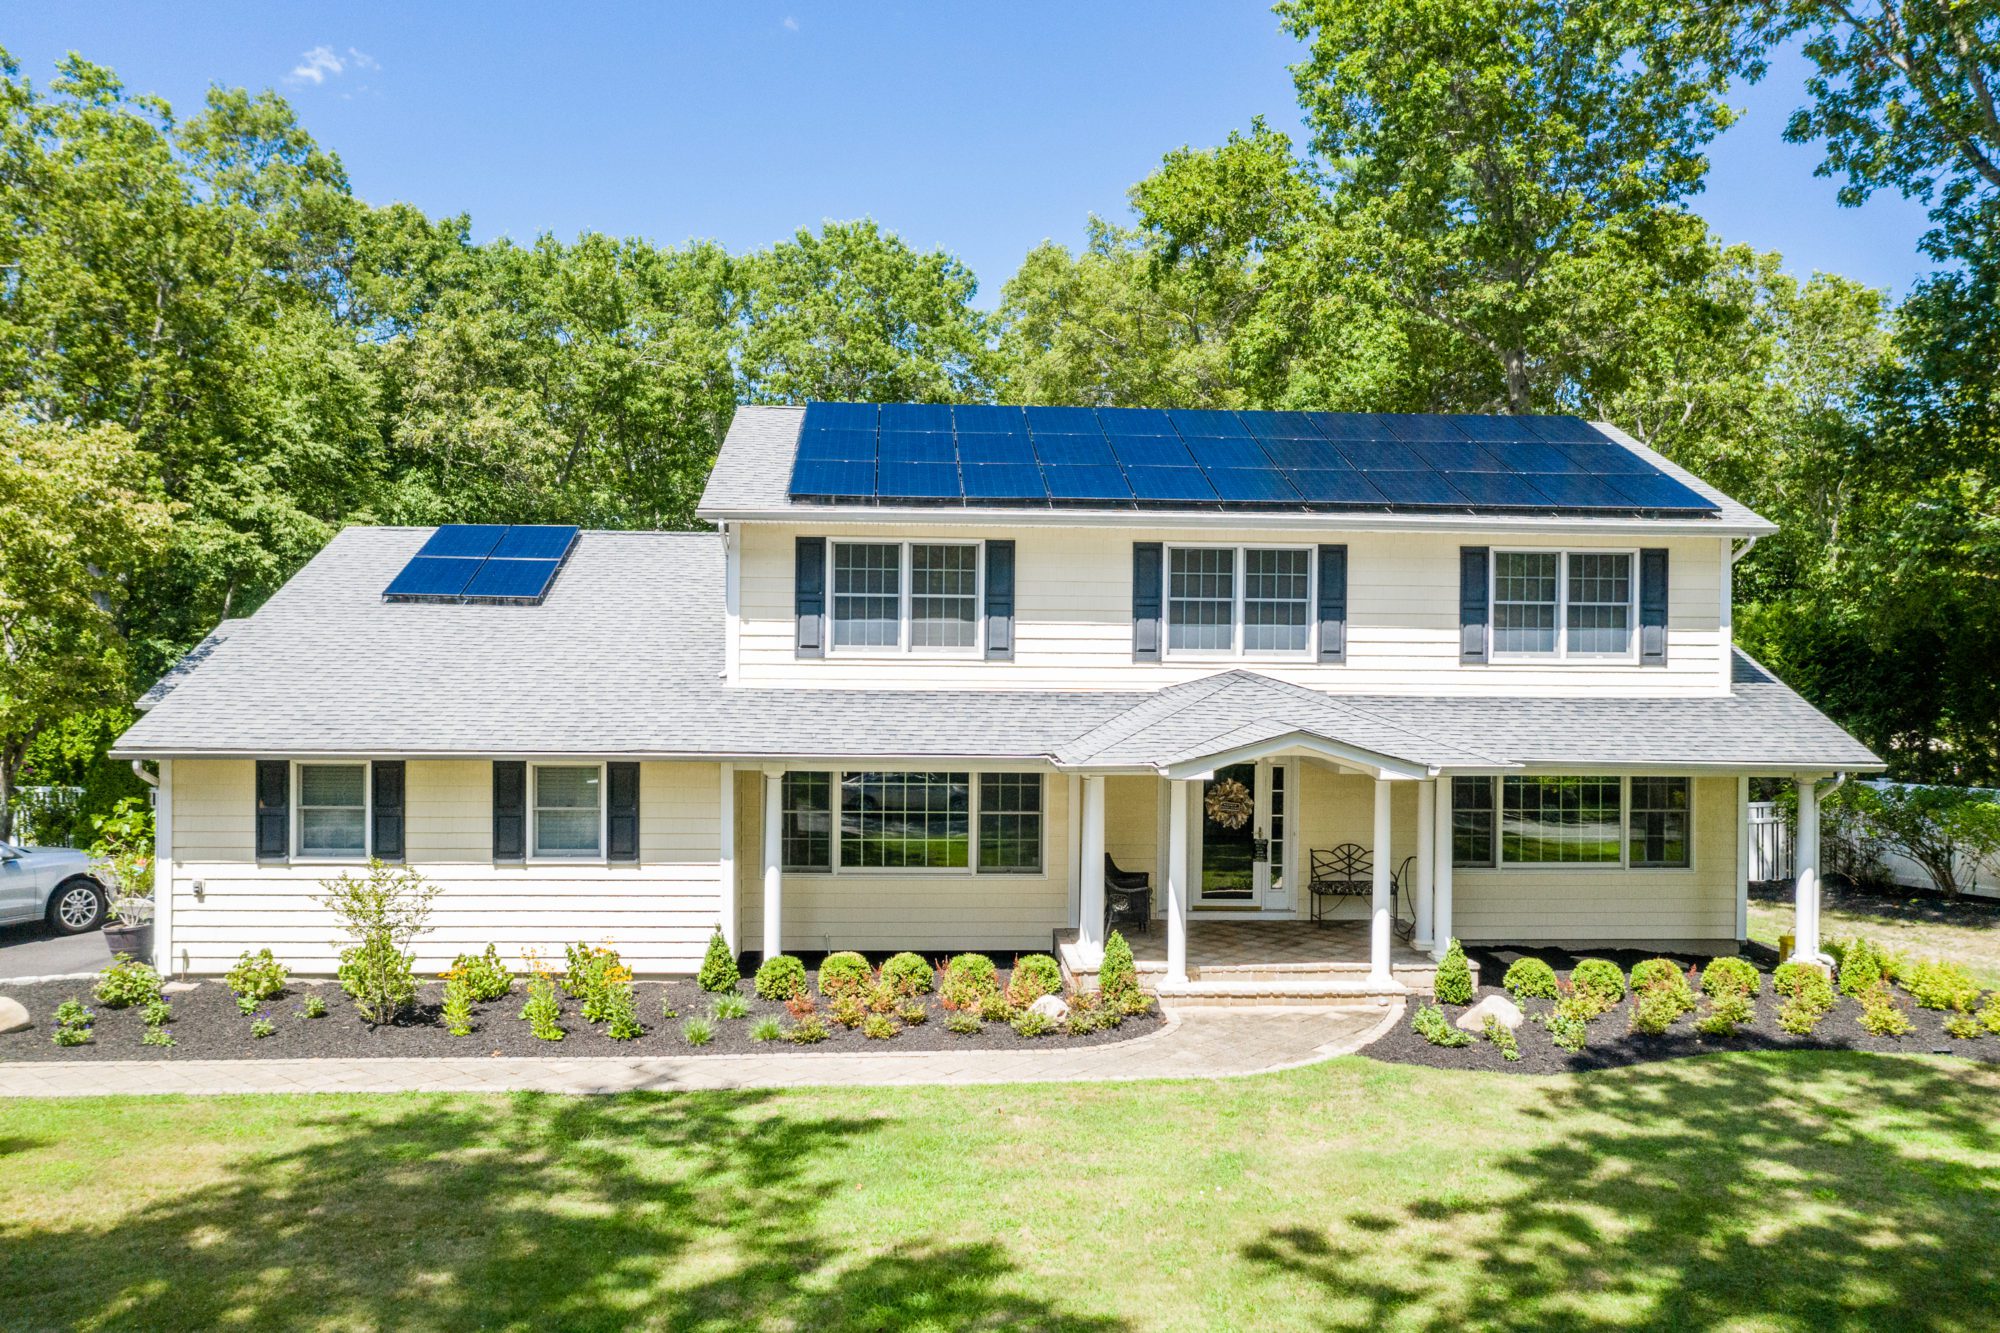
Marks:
<point>1770,843</point>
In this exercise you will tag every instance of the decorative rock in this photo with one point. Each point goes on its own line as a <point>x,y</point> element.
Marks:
<point>13,1015</point>
<point>1050,1007</point>
<point>179,987</point>
<point>1498,1006</point>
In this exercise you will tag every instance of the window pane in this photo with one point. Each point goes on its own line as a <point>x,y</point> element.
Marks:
<point>1561,821</point>
<point>1524,602</point>
<point>1600,603</point>
<point>1275,609</point>
<point>332,832</point>
<point>1277,826</point>
<point>867,594</point>
<point>1659,833</point>
<point>808,821</point>
<point>566,810</point>
<point>1472,821</point>
<point>331,784</point>
<point>943,583</point>
<point>333,812</point>
<point>898,820</point>
<point>1201,599</point>
<point>1010,822</point>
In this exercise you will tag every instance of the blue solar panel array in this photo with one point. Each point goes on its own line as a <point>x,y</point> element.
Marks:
<point>918,453</point>
<point>484,562</point>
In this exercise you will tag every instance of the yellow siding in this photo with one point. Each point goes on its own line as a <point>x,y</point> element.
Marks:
<point>1073,628</point>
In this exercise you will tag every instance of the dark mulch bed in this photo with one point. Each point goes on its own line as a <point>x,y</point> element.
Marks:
<point>207,1026</point>
<point>1613,1044</point>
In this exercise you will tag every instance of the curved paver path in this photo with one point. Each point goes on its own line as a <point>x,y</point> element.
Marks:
<point>1195,1043</point>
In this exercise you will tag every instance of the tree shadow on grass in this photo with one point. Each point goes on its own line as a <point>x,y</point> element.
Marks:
<point>683,1212</point>
<point>1807,1191</point>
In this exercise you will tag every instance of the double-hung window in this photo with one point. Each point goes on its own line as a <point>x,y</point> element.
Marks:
<point>333,810</point>
<point>874,820</point>
<point>917,596</point>
<point>1563,604</point>
<point>1239,600</point>
<point>1641,822</point>
<point>568,810</point>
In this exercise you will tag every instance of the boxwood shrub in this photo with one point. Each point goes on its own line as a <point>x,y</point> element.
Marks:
<point>843,974</point>
<point>1033,977</point>
<point>1600,979</point>
<point>907,974</point>
<point>1730,976</point>
<point>781,977</point>
<point>1453,983</point>
<point>1530,978</point>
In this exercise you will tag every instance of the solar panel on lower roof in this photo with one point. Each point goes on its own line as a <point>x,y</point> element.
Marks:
<point>984,418</point>
<point>1214,453</point>
<point>530,541</point>
<point>1414,488</point>
<point>1134,421</point>
<point>1333,485</point>
<point>995,449</point>
<point>433,576</point>
<point>1169,483</point>
<point>916,416</point>
<point>1195,421</point>
<point>914,447</point>
<point>471,541</point>
<point>1003,481</point>
<point>1074,451</point>
<point>835,477</point>
<point>1064,420</point>
<point>917,481</point>
<point>513,580</point>
<point>1264,484</point>
<point>1103,483</point>
<point>817,444</point>
<point>857,416</point>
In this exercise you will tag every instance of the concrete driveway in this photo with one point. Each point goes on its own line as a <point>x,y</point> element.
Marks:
<point>32,950</point>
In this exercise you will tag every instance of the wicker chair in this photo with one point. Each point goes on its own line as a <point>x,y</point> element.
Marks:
<point>1128,898</point>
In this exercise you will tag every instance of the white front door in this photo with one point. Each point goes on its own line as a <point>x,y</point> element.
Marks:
<point>1241,830</point>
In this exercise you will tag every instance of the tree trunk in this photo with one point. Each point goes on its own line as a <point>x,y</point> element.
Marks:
<point>7,766</point>
<point>1514,360</point>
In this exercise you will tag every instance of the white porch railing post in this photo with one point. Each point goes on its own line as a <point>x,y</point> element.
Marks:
<point>1090,903</point>
<point>1441,925</point>
<point>1177,885</point>
<point>1426,860</point>
<point>1805,870</point>
<point>1379,851</point>
<point>774,861</point>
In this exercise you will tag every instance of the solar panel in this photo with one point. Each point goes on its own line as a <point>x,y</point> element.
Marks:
<point>433,576</point>
<point>1371,454</point>
<point>1280,425</point>
<point>1350,425</point>
<point>1415,429</point>
<point>535,542</point>
<point>1198,422</point>
<point>1316,452</point>
<point>1003,481</point>
<point>1075,451</point>
<point>1251,483</point>
<point>916,416</point>
<point>1658,491</point>
<point>1574,490</point>
<point>1533,457</point>
<point>1505,490</point>
<point>513,580</point>
<point>1459,456</point>
<point>827,416</point>
<point>471,541</point>
<point>1169,483</point>
<point>1333,485</point>
<point>983,419</point>
<point>995,449</point>
<point>1414,488</point>
<point>1498,429</point>
<point>1214,453</point>
<point>1087,483</point>
<point>843,477</point>
<point>914,447</point>
<point>1134,421</point>
<point>819,444</point>
<point>1608,459</point>
<point>1561,430</point>
<point>1064,420</point>
<point>1150,451</point>
<point>917,481</point>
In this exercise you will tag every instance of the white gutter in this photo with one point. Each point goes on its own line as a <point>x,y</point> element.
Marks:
<point>1739,552</point>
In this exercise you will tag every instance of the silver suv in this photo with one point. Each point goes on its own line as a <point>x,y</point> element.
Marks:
<point>52,884</point>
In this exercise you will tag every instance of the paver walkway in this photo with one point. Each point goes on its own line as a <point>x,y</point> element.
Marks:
<point>1200,1043</point>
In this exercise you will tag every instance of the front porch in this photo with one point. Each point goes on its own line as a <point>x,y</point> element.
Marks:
<point>1263,962</point>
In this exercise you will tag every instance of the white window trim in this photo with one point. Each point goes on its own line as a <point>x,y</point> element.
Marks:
<point>905,631</point>
<point>534,813</point>
<point>1237,652</point>
<point>971,866</point>
<point>298,845</point>
<point>1562,653</point>
<point>1624,862</point>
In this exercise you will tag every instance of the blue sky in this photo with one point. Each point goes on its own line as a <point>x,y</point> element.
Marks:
<point>981,129</point>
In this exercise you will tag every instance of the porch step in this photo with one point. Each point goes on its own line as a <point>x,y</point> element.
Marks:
<point>1289,995</point>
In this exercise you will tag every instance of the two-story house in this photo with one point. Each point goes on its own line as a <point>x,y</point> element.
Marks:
<point>1339,687</point>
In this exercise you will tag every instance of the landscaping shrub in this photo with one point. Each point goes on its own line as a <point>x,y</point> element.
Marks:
<point>1730,976</point>
<point>127,982</point>
<point>766,1029</point>
<point>1963,1026</point>
<point>911,1013</point>
<point>1940,985</point>
<point>486,977</point>
<point>543,1011</point>
<point>1882,1013</point>
<point>262,1027</point>
<point>1569,1021</point>
<point>73,1023</point>
<point>1860,966</point>
<point>729,1005</point>
<point>621,1014</point>
<point>962,1021</point>
<point>1117,975</point>
<point>256,976</point>
<point>1431,1024</point>
<point>382,912</point>
<point>1660,1001</point>
<point>606,987</point>
<point>1028,1023</point>
<point>968,980</point>
<point>809,1030</point>
<point>879,1027</point>
<point>1989,1017</point>
<point>457,1004</point>
<point>1530,979</point>
<point>247,1005</point>
<point>997,1008</point>
<point>1726,1012</point>
<point>880,997</point>
<point>801,1004</point>
<point>1502,1036</point>
<point>1600,980</point>
<point>313,1007</point>
<point>588,969</point>
<point>718,966</point>
<point>843,972</point>
<point>157,1037</point>
<point>1033,977</point>
<point>1809,996</point>
<point>1134,1003</point>
<point>698,1031</point>
<point>1454,977</point>
<point>158,1013</point>
<point>907,975</point>
<point>780,977</point>
<point>850,1010</point>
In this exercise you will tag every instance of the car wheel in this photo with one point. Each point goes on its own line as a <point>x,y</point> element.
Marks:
<point>77,905</point>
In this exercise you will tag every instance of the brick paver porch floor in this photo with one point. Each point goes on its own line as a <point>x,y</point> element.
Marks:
<point>1195,1044</point>
<point>1213,943</point>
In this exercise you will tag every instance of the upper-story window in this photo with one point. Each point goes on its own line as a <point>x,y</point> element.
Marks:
<point>1254,600</point>
<point>890,596</point>
<point>333,810</point>
<point>1563,604</point>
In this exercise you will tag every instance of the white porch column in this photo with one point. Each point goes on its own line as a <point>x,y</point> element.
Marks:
<point>1805,870</point>
<point>163,870</point>
<point>1426,860</point>
<point>1073,846</point>
<point>774,860</point>
<point>725,861</point>
<point>1742,858</point>
<point>1090,903</point>
<point>1379,852</point>
<point>1441,858</point>
<point>1177,882</point>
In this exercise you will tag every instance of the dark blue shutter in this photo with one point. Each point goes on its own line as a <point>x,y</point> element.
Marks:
<point>1653,607</point>
<point>385,791</point>
<point>510,810</point>
<point>999,601</point>
<point>274,809</point>
<point>1148,559</point>
<point>621,809</point>
<point>1333,603</point>
<point>1472,613</point>
<point>809,595</point>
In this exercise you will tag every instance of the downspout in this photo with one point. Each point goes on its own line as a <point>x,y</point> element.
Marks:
<point>150,779</point>
<point>1738,553</point>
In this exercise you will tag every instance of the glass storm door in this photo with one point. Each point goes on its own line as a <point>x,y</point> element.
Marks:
<point>1242,823</point>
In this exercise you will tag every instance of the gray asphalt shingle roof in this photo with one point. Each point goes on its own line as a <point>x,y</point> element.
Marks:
<point>626,655</point>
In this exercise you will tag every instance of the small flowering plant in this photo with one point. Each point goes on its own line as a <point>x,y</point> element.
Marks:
<point>123,852</point>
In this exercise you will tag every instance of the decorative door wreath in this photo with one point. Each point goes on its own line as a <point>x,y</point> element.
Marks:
<point>1230,804</point>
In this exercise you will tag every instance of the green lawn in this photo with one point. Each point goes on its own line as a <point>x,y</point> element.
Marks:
<point>1915,926</point>
<point>1748,1191</point>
